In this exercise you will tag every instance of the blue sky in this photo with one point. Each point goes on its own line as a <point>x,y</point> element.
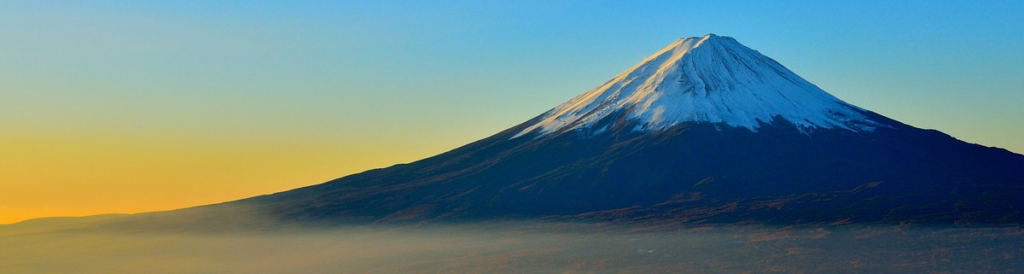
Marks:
<point>938,64</point>
<point>358,84</point>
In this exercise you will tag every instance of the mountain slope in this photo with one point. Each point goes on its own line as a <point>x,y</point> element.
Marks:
<point>705,130</point>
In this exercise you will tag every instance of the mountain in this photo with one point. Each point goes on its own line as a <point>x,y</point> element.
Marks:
<point>705,130</point>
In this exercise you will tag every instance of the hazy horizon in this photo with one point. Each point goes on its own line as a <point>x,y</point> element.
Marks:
<point>510,247</point>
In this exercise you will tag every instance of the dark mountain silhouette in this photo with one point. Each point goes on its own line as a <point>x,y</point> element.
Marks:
<point>704,131</point>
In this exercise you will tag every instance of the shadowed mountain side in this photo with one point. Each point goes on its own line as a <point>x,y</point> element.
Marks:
<point>690,173</point>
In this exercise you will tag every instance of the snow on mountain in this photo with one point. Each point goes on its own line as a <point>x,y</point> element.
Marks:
<point>711,79</point>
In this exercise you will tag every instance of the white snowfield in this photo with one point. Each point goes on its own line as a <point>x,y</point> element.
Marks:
<point>711,79</point>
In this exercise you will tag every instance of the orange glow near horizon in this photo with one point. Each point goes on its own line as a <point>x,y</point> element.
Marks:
<point>60,175</point>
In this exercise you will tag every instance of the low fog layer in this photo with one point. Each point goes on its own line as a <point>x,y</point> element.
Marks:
<point>513,247</point>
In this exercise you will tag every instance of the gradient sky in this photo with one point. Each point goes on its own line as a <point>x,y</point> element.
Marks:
<point>131,106</point>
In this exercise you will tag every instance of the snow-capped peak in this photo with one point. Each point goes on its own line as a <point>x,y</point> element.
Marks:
<point>710,79</point>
